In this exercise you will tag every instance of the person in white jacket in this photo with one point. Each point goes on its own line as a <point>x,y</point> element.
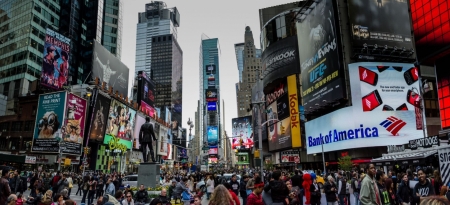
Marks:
<point>209,186</point>
<point>111,190</point>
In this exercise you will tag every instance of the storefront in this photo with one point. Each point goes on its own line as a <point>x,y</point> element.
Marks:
<point>111,156</point>
<point>242,160</point>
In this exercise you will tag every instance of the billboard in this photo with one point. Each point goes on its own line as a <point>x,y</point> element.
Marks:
<point>99,116</point>
<point>146,89</point>
<point>294,111</point>
<point>279,131</point>
<point>319,56</point>
<point>163,139</point>
<point>49,119</point>
<point>73,128</point>
<point>443,85</point>
<point>213,135</point>
<point>211,80</point>
<point>381,23</point>
<point>386,110</point>
<point>121,120</point>
<point>212,106</point>
<point>211,95</point>
<point>210,69</point>
<point>109,69</point>
<point>258,97</point>
<point>147,109</point>
<point>242,133</point>
<point>290,157</point>
<point>280,59</point>
<point>55,64</point>
<point>140,120</point>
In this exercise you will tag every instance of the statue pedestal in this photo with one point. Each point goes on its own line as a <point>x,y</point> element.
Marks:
<point>149,174</point>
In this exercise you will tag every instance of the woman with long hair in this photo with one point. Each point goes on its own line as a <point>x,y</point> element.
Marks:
<point>437,181</point>
<point>221,196</point>
<point>389,184</point>
<point>47,198</point>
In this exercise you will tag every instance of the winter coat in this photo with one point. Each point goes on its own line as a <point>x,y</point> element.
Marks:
<point>62,184</point>
<point>141,196</point>
<point>330,195</point>
<point>367,194</point>
<point>403,192</point>
<point>279,191</point>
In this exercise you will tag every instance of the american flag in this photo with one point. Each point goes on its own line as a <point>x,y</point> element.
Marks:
<point>393,124</point>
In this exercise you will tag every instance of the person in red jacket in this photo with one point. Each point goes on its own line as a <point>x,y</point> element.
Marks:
<point>255,197</point>
<point>233,195</point>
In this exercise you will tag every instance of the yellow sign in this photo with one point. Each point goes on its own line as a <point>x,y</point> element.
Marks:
<point>256,153</point>
<point>115,144</point>
<point>293,111</point>
<point>67,162</point>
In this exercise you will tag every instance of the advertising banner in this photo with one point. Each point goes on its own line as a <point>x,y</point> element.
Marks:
<point>169,152</point>
<point>290,157</point>
<point>381,23</point>
<point>279,133</point>
<point>210,69</point>
<point>140,120</point>
<point>319,56</point>
<point>280,59</point>
<point>386,110</point>
<point>293,112</point>
<point>242,133</point>
<point>121,120</point>
<point>117,143</point>
<point>55,64</point>
<point>99,116</point>
<point>163,141</point>
<point>211,95</point>
<point>426,142</point>
<point>443,85</point>
<point>212,106</point>
<point>49,120</point>
<point>109,69</point>
<point>212,133</point>
<point>444,164</point>
<point>211,80</point>
<point>73,127</point>
<point>260,109</point>
<point>146,89</point>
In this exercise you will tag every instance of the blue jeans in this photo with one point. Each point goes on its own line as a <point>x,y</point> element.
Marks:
<point>208,195</point>
<point>356,194</point>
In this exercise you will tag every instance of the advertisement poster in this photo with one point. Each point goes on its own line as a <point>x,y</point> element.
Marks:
<point>386,110</point>
<point>49,119</point>
<point>242,133</point>
<point>163,145</point>
<point>99,117</point>
<point>290,157</point>
<point>444,164</point>
<point>73,127</point>
<point>140,120</point>
<point>109,69</point>
<point>213,137</point>
<point>279,133</point>
<point>121,120</point>
<point>146,89</point>
<point>212,106</point>
<point>211,95</point>
<point>210,69</point>
<point>211,80</point>
<point>294,112</point>
<point>55,64</point>
<point>319,56</point>
<point>382,23</point>
<point>258,97</point>
<point>280,59</point>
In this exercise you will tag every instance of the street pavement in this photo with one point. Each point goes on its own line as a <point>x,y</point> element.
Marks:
<point>77,198</point>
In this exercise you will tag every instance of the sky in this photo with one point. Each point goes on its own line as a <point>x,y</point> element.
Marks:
<point>225,20</point>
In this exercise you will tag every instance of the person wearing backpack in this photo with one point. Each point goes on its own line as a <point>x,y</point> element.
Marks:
<point>356,185</point>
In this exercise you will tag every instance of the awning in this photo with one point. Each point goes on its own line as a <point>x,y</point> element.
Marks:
<point>400,156</point>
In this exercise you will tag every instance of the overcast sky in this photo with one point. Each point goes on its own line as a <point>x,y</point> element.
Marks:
<point>225,20</point>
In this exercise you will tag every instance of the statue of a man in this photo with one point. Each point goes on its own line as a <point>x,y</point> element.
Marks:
<point>146,137</point>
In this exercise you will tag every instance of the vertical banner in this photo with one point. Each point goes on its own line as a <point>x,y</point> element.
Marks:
<point>49,118</point>
<point>293,111</point>
<point>99,117</point>
<point>213,137</point>
<point>73,128</point>
<point>444,164</point>
<point>55,65</point>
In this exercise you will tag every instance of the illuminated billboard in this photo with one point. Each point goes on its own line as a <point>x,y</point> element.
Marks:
<point>242,133</point>
<point>213,135</point>
<point>386,110</point>
<point>212,106</point>
<point>55,64</point>
<point>211,95</point>
<point>443,85</point>
<point>121,120</point>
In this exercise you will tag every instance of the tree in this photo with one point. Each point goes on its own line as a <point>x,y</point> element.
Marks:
<point>345,163</point>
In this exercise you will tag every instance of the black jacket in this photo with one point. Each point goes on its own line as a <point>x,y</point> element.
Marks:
<point>141,196</point>
<point>315,195</point>
<point>296,180</point>
<point>403,192</point>
<point>243,188</point>
<point>423,190</point>
<point>147,133</point>
<point>279,191</point>
<point>235,186</point>
<point>35,200</point>
<point>329,194</point>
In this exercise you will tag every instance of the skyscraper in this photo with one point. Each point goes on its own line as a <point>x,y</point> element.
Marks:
<point>159,54</point>
<point>249,58</point>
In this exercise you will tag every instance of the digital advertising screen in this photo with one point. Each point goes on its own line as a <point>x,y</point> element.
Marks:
<point>147,109</point>
<point>211,95</point>
<point>385,110</point>
<point>213,135</point>
<point>212,106</point>
<point>319,56</point>
<point>49,120</point>
<point>146,89</point>
<point>121,120</point>
<point>279,132</point>
<point>443,85</point>
<point>381,23</point>
<point>99,117</point>
<point>109,69</point>
<point>242,133</point>
<point>55,64</point>
<point>73,128</point>
<point>210,69</point>
<point>290,157</point>
<point>211,81</point>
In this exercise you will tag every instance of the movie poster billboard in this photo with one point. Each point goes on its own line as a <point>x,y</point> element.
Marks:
<point>55,64</point>
<point>73,127</point>
<point>242,133</point>
<point>163,139</point>
<point>109,69</point>
<point>386,110</point>
<point>146,89</point>
<point>280,59</point>
<point>381,23</point>
<point>213,136</point>
<point>49,120</point>
<point>99,116</point>
<point>279,131</point>
<point>140,120</point>
<point>121,120</point>
<point>319,56</point>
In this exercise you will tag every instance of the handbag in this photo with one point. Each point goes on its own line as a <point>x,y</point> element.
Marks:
<point>186,196</point>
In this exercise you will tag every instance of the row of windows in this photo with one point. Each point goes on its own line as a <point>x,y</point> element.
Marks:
<point>113,2</point>
<point>23,68</point>
<point>17,126</point>
<point>110,29</point>
<point>13,30</point>
<point>111,20</point>
<point>14,46</point>
<point>47,14</point>
<point>111,11</point>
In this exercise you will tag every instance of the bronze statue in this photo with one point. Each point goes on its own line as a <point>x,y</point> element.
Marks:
<point>146,137</point>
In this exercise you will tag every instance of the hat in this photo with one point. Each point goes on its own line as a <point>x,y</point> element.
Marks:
<point>174,181</point>
<point>127,186</point>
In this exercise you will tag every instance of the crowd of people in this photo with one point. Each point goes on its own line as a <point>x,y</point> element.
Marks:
<point>367,186</point>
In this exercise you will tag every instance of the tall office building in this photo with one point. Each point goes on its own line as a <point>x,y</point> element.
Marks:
<point>22,39</point>
<point>209,88</point>
<point>249,64</point>
<point>159,54</point>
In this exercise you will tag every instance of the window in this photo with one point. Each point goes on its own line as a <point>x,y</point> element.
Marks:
<point>28,126</point>
<point>16,126</point>
<point>4,126</point>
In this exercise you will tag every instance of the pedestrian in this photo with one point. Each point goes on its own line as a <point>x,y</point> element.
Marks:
<point>58,199</point>
<point>47,198</point>
<point>141,196</point>
<point>232,193</point>
<point>369,194</point>
<point>355,186</point>
<point>92,188</point>
<point>437,182</point>
<point>390,190</point>
<point>342,182</point>
<point>171,189</point>
<point>234,184</point>
<point>197,200</point>
<point>63,183</point>
<point>383,192</point>
<point>221,196</point>
<point>209,186</point>
<point>315,193</point>
<point>85,188</point>
<point>70,180</point>
<point>255,197</point>
<point>20,200</point>
<point>423,188</point>
<point>278,188</point>
<point>65,194</point>
<point>330,191</point>
<point>110,188</point>
<point>54,183</point>
<point>11,199</point>
<point>100,185</point>
<point>243,189</point>
<point>403,192</point>
<point>128,199</point>
<point>5,190</point>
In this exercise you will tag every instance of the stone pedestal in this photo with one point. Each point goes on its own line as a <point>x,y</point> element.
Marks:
<point>148,174</point>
